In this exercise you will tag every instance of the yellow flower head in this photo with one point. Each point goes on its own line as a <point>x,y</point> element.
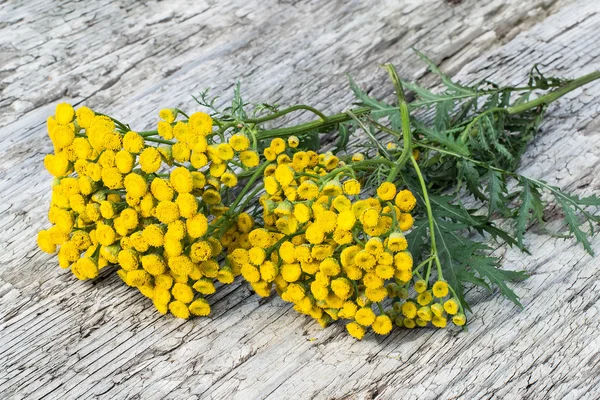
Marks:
<point>291,272</point>
<point>84,117</point>
<point>405,200</point>
<point>260,238</point>
<point>332,188</point>
<point>167,211</point>
<point>239,142</point>
<point>168,115</point>
<point>382,325</point>
<point>397,242</point>
<point>201,123</point>
<point>342,288</point>
<point>278,145</point>
<point>200,251</point>
<point>249,158</point>
<point>135,185</point>
<point>181,180</point>
<point>365,316</point>
<point>162,189</point>
<point>355,330</point>
<point>179,309</point>
<point>451,306</point>
<point>330,267</point>
<point>165,129</point>
<point>133,143</point>
<point>197,226</point>
<point>440,289</point>
<point>64,113</point>
<point>188,205</point>
<point>308,190</point>
<point>314,234</point>
<point>154,264</point>
<point>386,191</point>
<point>150,160</point>
<point>293,141</point>
<point>211,197</point>
<point>57,165</point>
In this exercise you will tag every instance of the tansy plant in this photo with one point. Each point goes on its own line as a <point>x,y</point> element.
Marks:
<point>377,238</point>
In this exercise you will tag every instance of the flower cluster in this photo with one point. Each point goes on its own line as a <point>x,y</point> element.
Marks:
<point>155,211</point>
<point>327,249</point>
<point>167,208</point>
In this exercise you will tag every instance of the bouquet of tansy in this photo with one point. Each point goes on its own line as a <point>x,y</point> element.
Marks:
<point>378,237</point>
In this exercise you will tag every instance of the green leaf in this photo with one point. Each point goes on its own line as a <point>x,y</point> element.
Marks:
<point>573,222</point>
<point>496,189</point>
<point>531,208</point>
<point>442,114</point>
<point>472,179</point>
<point>237,104</point>
<point>489,270</point>
<point>344,138</point>
<point>450,84</point>
<point>444,138</point>
<point>379,108</point>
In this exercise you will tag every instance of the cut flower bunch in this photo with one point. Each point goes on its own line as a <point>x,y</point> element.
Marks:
<point>376,238</point>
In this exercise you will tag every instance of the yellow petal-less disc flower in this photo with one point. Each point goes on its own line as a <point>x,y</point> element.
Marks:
<point>200,307</point>
<point>355,330</point>
<point>181,180</point>
<point>201,123</point>
<point>64,113</point>
<point>382,325</point>
<point>365,316</point>
<point>239,142</point>
<point>405,201</point>
<point>451,306</point>
<point>440,289</point>
<point>168,115</point>
<point>179,309</point>
<point>150,160</point>
<point>386,191</point>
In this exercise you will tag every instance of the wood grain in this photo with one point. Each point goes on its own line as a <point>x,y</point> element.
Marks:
<point>62,339</point>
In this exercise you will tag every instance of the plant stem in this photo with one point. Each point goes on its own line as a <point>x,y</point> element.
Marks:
<point>284,112</point>
<point>155,140</point>
<point>310,126</point>
<point>248,186</point>
<point>434,253</point>
<point>405,119</point>
<point>552,96</point>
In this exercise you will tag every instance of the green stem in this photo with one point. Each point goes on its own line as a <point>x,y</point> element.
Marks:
<point>248,186</point>
<point>310,126</point>
<point>434,253</point>
<point>250,197</point>
<point>284,112</point>
<point>552,96</point>
<point>405,120</point>
<point>155,140</point>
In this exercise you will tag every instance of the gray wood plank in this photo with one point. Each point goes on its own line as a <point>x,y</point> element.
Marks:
<point>61,338</point>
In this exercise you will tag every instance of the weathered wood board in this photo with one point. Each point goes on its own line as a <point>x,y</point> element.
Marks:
<point>61,338</point>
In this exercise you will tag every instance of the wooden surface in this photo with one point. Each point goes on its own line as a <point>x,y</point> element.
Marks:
<point>62,339</point>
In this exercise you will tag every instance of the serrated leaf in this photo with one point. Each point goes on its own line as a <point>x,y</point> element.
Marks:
<point>444,138</point>
<point>499,277</point>
<point>442,115</point>
<point>472,179</point>
<point>379,109</point>
<point>531,208</point>
<point>574,223</point>
<point>450,84</point>
<point>496,189</point>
